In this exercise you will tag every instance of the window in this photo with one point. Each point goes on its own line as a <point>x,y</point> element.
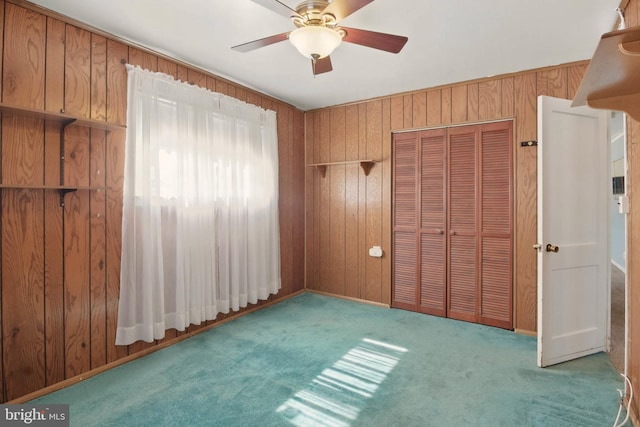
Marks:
<point>200,214</point>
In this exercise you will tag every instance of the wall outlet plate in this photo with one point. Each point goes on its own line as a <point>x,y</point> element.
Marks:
<point>375,251</point>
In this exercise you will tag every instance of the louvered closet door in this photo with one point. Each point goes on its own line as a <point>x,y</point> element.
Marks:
<point>404,244</point>
<point>432,292</point>
<point>452,222</point>
<point>462,205</point>
<point>496,225</point>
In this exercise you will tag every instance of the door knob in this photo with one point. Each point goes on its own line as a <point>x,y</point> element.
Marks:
<point>552,248</point>
<point>537,246</point>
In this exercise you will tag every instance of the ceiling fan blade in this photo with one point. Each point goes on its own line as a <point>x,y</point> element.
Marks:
<point>322,65</point>
<point>249,46</point>
<point>382,41</point>
<point>343,8</point>
<point>278,7</point>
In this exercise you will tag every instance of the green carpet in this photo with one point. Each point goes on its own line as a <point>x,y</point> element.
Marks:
<point>320,361</point>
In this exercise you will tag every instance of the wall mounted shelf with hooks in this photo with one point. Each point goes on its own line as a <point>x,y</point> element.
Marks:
<point>366,165</point>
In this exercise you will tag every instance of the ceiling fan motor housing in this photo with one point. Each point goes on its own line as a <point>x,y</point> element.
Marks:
<point>311,13</point>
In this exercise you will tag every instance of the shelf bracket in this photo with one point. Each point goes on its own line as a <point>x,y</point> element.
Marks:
<point>63,192</point>
<point>63,128</point>
<point>322,169</point>
<point>366,166</point>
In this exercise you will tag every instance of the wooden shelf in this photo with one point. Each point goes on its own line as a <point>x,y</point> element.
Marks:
<point>62,189</point>
<point>63,119</point>
<point>611,81</point>
<point>50,187</point>
<point>366,165</point>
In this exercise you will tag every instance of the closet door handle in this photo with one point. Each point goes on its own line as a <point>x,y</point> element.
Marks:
<point>439,231</point>
<point>452,233</point>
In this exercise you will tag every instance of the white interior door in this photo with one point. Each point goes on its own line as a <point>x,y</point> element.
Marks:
<point>573,246</point>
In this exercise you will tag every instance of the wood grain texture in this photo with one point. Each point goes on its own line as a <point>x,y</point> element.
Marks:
<point>253,98</point>
<point>53,289</point>
<point>53,217</point>
<point>77,72</point>
<point>434,107</point>
<point>76,156</point>
<point>575,74</point>
<point>447,102</point>
<point>168,67</point>
<point>284,181</point>
<point>317,180</point>
<point>473,102</point>
<point>97,230</point>
<point>507,97</point>
<point>397,113</point>
<point>490,99</point>
<point>419,110</point>
<point>337,284</point>
<point>324,232</point>
<point>113,224</point>
<point>51,153</point>
<point>407,100</point>
<point>22,292</point>
<point>362,197</point>
<point>98,77</point>
<point>352,172</point>
<point>552,82</point>
<point>117,57</point>
<point>54,75</point>
<point>22,150</point>
<point>297,190</point>
<point>76,277</point>
<point>23,57</point>
<point>525,203</point>
<point>309,208</point>
<point>385,277</point>
<point>149,62</point>
<point>223,87</point>
<point>373,285</point>
<point>459,104</point>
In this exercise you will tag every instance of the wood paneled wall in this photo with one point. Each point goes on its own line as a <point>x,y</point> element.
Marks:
<point>348,212</point>
<point>61,265</point>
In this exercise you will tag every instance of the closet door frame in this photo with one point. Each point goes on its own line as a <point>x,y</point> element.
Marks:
<point>478,316</point>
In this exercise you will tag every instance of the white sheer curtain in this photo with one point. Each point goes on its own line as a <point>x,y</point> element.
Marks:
<point>200,231</point>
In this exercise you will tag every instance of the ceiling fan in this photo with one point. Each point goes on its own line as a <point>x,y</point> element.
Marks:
<point>318,34</point>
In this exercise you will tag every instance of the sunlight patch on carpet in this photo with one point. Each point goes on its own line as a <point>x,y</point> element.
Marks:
<point>336,396</point>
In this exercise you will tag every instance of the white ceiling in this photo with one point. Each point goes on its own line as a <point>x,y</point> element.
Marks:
<point>449,41</point>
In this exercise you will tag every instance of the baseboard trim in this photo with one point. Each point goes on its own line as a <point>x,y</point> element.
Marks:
<point>526,332</point>
<point>352,299</point>
<point>86,375</point>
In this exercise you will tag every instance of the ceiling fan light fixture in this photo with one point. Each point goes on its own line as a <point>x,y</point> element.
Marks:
<point>315,41</point>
